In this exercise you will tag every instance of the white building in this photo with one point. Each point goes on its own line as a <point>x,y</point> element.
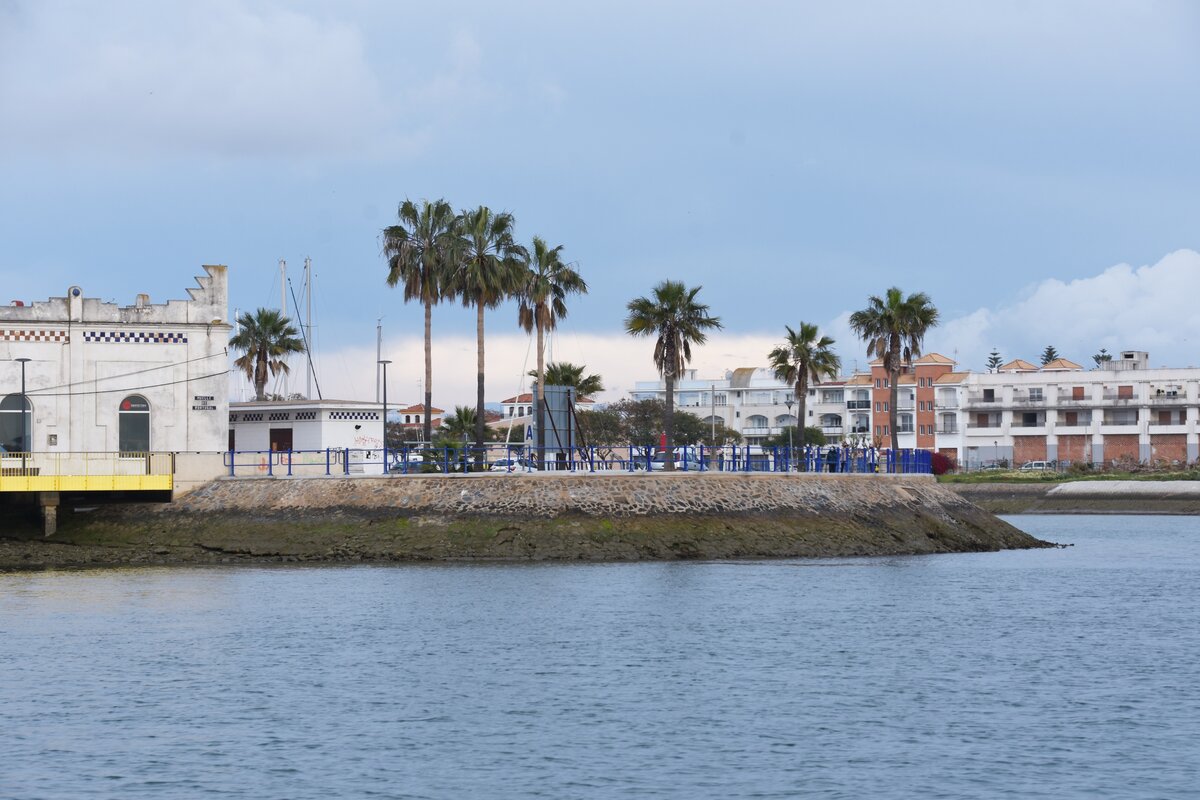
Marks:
<point>1125,411</point>
<point>753,402</point>
<point>273,426</point>
<point>104,378</point>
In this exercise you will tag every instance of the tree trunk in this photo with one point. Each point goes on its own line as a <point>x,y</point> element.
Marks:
<point>669,416</point>
<point>894,395</point>
<point>540,400</point>
<point>801,402</point>
<point>428,429</point>
<point>260,376</point>
<point>479,422</point>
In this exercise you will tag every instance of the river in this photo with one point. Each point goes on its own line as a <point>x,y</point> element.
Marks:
<point>1066,673</point>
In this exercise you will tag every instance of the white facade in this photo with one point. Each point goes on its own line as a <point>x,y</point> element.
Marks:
<point>107,378</point>
<point>306,425</point>
<point>753,402</point>
<point>1122,412</point>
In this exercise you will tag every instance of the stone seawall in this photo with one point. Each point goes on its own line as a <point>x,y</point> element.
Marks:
<point>534,517</point>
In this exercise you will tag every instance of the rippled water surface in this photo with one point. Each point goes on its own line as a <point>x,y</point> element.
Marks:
<point>1065,673</point>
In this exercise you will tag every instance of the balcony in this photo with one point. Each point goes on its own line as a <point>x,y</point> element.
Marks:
<point>978,398</point>
<point>989,425</point>
<point>1167,400</point>
<point>831,430</point>
<point>858,405</point>
<point>1029,400</point>
<point>1112,398</point>
<point>947,429</point>
<point>947,402</point>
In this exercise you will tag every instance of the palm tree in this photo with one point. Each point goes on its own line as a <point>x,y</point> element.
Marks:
<point>805,356</point>
<point>894,327</point>
<point>674,316</point>
<point>564,373</point>
<point>418,251</point>
<point>265,338</point>
<point>461,424</point>
<point>487,272</point>
<point>541,303</point>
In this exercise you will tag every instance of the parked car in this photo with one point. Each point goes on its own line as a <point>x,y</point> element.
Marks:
<point>511,465</point>
<point>1037,466</point>
<point>686,458</point>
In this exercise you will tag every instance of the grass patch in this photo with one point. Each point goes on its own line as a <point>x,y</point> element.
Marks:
<point>1015,476</point>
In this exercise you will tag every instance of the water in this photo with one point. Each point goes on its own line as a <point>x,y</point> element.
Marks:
<point>1063,673</point>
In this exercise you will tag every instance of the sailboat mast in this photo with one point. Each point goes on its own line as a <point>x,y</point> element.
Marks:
<point>308,322</point>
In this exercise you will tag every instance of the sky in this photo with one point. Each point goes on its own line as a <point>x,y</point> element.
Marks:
<point>1032,166</point>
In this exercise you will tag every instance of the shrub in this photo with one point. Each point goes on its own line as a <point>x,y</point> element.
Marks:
<point>941,463</point>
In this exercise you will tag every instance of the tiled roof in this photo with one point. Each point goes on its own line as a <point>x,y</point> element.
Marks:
<point>1060,364</point>
<point>419,408</point>
<point>934,358</point>
<point>1018,365</point>
<point>952,377</point>
<point>527,397</point>
<point>860,380</point>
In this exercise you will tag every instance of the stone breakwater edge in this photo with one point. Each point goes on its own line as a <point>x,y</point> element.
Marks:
<point>524,518</point>
<point>1086,497</point>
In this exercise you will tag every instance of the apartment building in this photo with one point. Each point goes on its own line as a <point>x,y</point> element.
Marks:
<point>753,402</point>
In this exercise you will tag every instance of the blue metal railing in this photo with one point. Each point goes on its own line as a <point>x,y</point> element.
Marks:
<point>619,458</point>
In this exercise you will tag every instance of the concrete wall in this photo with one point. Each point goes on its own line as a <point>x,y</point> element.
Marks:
<point>88,356</point>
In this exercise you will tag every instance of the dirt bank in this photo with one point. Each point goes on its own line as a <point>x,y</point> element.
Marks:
<point>1085,497</point>
<point>591,518</point>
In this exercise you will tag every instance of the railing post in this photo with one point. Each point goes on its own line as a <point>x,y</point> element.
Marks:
<point>271,463</point>
<point>232,459</point>
<point>327,464</point>
<point>289,456</point>
<point>346,461</point>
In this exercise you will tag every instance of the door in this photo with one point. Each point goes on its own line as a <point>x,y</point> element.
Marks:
<point>281,439</point>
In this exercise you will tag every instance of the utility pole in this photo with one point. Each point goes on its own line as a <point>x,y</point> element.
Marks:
<point>378,353</point>
<point>384,364</point>
<point>26,428</point>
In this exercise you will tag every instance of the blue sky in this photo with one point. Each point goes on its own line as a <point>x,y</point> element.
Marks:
<point>791,157</point>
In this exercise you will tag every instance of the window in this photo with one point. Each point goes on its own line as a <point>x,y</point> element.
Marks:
<point>1035,393</point>
<point>878,407</point>
<point>133,425</point>
<point>885,407</point>
<point>878,383</point>
<point>15,424</point>
<point>1125,392</point>
<point>1076,392</point>
<point>989,395</point>
<point>281,440</point>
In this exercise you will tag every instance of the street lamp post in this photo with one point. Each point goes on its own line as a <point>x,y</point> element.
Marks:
<point>995,452</point>
<point>26,433</point>
<point>789,403</point>
<point>384,362</point>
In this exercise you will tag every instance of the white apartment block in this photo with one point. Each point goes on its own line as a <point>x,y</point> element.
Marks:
<point>753,402</point>
<point>1125,411</point>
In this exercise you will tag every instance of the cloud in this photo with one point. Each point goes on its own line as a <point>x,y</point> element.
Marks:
<point>349,373</point>
<point>1123,308</point>
<point>221,78</point>
<point>1150,308</point>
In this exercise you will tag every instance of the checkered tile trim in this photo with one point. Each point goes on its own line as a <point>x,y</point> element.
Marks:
<point>251,417</point>
<point>278,416</point>
<point>306,415</point>
<point>135,337</point>
<point>354,415</point>
<point>33,335</point>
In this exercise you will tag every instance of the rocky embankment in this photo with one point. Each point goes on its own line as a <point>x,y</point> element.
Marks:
<point>1085,497</point>
<point>521,517</point>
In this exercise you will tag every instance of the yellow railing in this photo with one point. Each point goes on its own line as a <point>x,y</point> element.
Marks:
<point>86,472</point>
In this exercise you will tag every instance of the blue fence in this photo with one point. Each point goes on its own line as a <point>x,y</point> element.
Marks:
<point>500,458</point>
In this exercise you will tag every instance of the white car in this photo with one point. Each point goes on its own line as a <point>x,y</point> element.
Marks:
<point>510,465</point>
<point>1036,466</point>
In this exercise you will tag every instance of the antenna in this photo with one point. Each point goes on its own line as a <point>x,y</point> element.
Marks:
<point>283,287</point>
